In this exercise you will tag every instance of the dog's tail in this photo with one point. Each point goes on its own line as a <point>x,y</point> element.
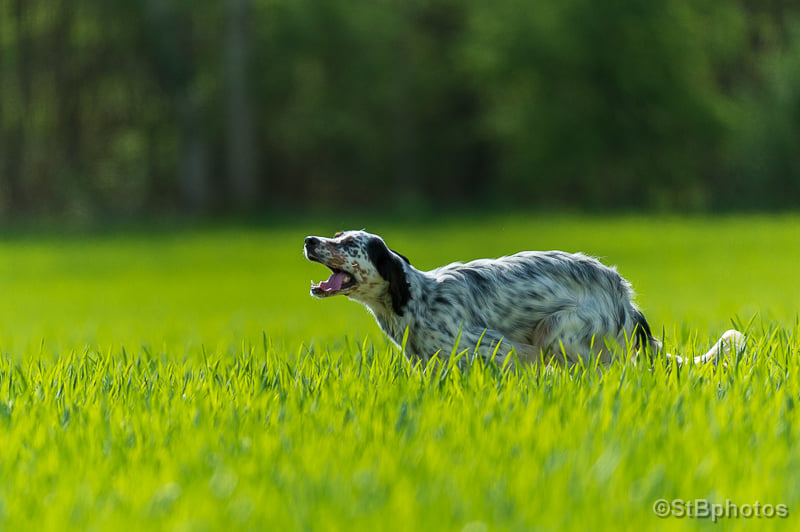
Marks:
<point>731,341</point>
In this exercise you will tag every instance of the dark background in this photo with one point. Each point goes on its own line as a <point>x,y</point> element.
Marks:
<point>128,108</point>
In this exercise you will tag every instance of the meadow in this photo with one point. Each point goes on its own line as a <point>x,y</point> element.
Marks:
<point>183,379</point>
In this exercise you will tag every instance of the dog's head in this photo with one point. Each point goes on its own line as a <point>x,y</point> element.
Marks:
<point>363,269</point>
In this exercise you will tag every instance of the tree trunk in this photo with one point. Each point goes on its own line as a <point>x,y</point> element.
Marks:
<point>193,167</point>
<point>17,200</point>
<point>174,61</point>
<point>241,156</point>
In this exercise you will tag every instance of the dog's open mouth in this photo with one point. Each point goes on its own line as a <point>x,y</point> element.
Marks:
<point>339,281</point>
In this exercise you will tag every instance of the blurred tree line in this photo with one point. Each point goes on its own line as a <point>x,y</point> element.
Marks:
<point>128,107</point>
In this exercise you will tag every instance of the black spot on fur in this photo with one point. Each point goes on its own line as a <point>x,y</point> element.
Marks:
<point>620,317</point>
<point>642,331</point>
<point>442,301</point>
<point>390,266</point>
<point>478,281</point>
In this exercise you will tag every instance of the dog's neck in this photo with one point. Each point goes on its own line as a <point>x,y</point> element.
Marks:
<point>394,324</point>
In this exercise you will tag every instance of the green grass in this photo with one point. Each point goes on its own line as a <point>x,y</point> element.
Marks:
<point>185,380</point>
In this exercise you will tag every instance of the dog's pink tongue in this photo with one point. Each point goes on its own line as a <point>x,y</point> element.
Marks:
<point>334,283</point>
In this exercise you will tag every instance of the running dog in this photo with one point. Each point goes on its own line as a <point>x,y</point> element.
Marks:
<point>542,305</point>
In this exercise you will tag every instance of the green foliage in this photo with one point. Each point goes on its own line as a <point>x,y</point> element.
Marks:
<point>769,134</point>
<point>186,380</point>
<point>123,107</point>
<point>616,104</point>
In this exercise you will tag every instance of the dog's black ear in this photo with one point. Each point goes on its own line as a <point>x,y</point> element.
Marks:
<point>390,266</point>
<point>401,256</point>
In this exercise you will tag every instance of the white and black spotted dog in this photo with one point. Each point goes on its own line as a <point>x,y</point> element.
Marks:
<point>545,305</point>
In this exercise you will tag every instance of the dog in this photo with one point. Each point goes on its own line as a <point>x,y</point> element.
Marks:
<point>542,306</point>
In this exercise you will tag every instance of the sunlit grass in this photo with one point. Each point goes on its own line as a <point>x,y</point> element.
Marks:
<point>186,380</point>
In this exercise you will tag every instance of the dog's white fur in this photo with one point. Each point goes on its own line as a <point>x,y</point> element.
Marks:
<point>546,306</point>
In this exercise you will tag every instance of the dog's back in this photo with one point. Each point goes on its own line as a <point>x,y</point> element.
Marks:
<point>546,299</point>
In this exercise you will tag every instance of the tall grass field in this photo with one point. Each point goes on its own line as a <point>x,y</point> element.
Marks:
<point>184,379</point>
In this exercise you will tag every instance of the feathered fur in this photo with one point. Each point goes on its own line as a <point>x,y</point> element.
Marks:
<point>545,305</point>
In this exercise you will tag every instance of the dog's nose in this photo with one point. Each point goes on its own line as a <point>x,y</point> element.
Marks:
<point>311,241</point>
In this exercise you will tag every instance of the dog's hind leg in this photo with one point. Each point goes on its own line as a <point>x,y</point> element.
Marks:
<point>491,345</point>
